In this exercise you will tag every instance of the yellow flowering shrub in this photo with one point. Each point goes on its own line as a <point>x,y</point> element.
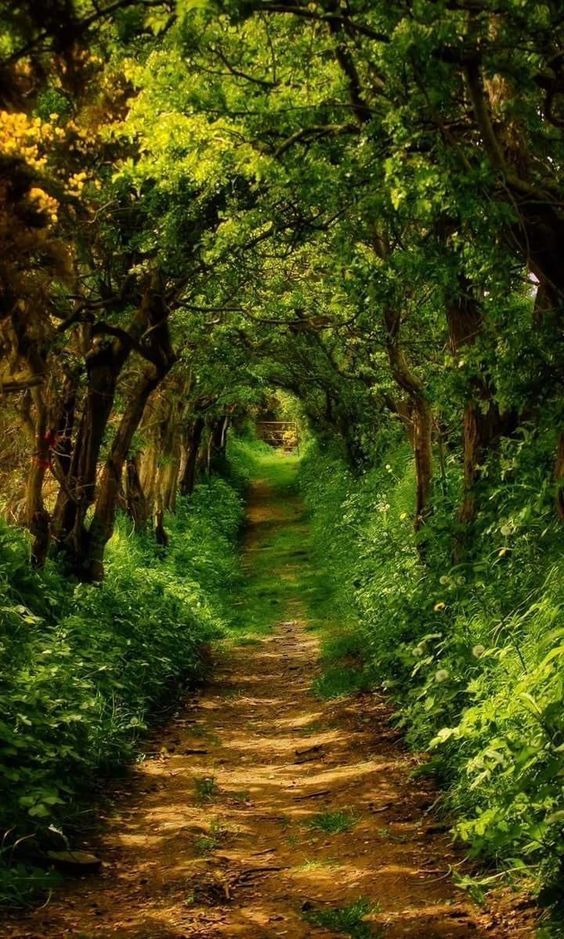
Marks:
<point>26,137</point>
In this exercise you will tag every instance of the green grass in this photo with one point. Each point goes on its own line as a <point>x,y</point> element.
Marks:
<point>340,680</point>
<point>205,844</point>
<point>206,788</point>
<point>276,568</point>
<point>334,823</point>
<point>343,662</point>
<point>347,920</point>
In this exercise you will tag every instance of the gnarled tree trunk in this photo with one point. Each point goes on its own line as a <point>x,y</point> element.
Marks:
<point>37,517</point>
<point>161,358</point>
<point>102,524</point>
<point>103,367</point>
<point>483,423</point>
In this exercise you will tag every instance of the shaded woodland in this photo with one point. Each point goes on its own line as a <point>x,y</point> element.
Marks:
<point>345,213</point>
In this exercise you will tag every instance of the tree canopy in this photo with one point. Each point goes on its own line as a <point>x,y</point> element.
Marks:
<point>360,203</point>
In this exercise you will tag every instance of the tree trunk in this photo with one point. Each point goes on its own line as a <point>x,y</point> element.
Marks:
<point>480,429</point>
<point>539,231</point>
<point>63,424</point>
<point>483,423</point>
<point>194,438</point>
<point>160,531</point>
<point>465,324</point>
<point>103,366</point>
<point>217,443</point>
<point>136,501</point>
<point>36,515</point>
<point>168,467</point>
<point>102,524</point>
<point>148,471</point>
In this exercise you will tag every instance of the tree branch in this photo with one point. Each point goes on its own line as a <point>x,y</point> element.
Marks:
<point>10,387</point>
<point>317,131</point>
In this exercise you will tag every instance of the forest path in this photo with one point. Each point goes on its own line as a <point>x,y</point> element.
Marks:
<point>267,812</point>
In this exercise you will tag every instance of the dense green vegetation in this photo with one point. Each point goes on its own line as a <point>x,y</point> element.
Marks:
<point>470,653</point>
<point>344,212</point>
<point>83,670</point>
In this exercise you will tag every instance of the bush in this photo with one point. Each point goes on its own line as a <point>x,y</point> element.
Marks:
<point>472,654</point>
<point>83,668</point>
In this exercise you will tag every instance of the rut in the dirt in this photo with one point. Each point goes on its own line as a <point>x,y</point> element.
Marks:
<point>269,813</point>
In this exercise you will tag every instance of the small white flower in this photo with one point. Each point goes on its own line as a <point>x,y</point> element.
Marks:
<point>441,675</point>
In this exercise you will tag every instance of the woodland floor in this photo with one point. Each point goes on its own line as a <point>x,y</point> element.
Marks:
<point>267,812</point>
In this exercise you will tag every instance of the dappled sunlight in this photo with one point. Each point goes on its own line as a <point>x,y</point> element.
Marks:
<point>281,468</point>
<point>263,803</point>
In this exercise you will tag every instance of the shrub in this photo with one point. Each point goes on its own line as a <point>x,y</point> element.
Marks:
<point>83,668</point>
<point>472,653</point>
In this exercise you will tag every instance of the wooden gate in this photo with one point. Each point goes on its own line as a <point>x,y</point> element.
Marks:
<point>282,434</point>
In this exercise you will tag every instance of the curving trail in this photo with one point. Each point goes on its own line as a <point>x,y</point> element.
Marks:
<point>217,836</point>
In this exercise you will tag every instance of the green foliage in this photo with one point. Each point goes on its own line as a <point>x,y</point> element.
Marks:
<point>347,920</point>
<point>342,658</point>
<point>472,653</point>
<point>205,788</point>
<point>20,884</point>
<point>84,668</point>
<point>334,823</point>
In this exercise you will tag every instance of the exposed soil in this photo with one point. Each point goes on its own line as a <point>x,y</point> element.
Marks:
<point>216,837</point>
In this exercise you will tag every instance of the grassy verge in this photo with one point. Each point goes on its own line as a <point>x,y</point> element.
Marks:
<point>473,655</point>
<point>84,669</point>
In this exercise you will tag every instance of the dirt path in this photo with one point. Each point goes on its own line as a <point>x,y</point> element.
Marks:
<point>269,813</point>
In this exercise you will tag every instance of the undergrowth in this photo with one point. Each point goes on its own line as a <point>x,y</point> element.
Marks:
<point>472,653</point>
<point>84,668</point>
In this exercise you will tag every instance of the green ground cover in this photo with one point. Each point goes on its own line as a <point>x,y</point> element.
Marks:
<point>471,654</point>
<point>84,669</point>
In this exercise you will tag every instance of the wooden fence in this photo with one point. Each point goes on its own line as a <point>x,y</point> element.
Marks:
<point>280,434</point>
